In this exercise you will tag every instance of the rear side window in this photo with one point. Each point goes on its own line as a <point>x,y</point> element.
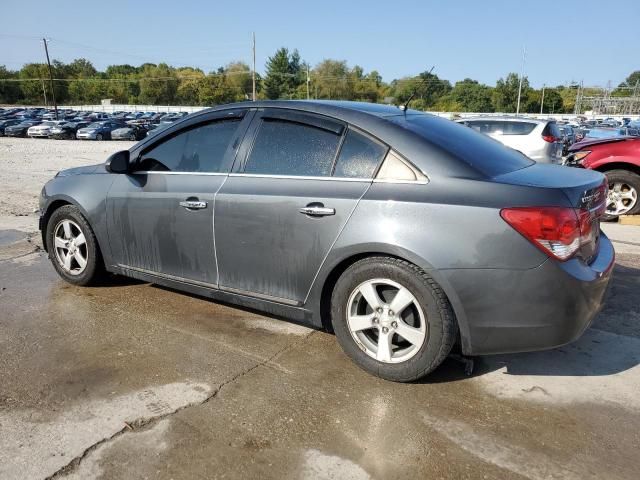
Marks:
<point>282,147</point>
<point>502,127</point>
<point>481,152</point>
<point>518,128</point>
<point>359,156</point>
<point>199,149</point>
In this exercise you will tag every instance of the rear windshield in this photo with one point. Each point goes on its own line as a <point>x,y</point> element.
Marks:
<point>482,153</point>
<point>501,127</point>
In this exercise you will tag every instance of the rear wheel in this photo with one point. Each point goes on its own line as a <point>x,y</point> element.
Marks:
<point>624,189</point>
<point>72,246</point>
<point>392,319</point>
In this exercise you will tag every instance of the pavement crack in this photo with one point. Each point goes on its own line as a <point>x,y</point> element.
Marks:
<point>144,423</point>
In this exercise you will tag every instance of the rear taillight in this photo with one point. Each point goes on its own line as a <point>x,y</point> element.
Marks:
<point>549,138</point>
<point>557,231</point>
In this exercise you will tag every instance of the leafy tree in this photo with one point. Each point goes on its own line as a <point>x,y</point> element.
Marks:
<point>505,95</point>
<point>331,80</point>
<point>427,89</point>
<point>285,73</point>
<point>9,90</point>
<point>471,96</point>
<point>158,84</point>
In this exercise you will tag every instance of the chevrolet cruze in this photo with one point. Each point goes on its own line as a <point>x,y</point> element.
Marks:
<point>403,233</point>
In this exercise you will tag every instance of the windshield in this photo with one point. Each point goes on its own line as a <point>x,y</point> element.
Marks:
<point>602,133</point>
<point>479,151</point>
<point>95,125</point>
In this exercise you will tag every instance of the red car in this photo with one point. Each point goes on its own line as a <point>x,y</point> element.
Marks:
<point>619,159</point>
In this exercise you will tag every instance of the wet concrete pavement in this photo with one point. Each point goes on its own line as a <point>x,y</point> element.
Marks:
<point>129,380</point>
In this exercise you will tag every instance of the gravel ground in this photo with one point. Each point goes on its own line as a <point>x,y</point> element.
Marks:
<point>26,164</point>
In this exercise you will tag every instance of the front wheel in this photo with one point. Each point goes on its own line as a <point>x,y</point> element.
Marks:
<point>624,189</point>
<point>392,319</point>
<point>72,246</point>
<point>99,136</point>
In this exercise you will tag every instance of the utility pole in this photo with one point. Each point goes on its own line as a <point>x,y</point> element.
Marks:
<point>254,66</point>
<point>308,80</point>
<point>524,56</point>
<point>542,101</point>
<point>53,93</point>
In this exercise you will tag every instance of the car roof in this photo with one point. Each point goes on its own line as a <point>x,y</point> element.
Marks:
<point>329,107</point>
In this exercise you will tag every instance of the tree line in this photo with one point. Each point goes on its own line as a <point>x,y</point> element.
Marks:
<point>287,76</point>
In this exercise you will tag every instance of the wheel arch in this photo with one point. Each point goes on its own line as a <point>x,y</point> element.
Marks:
<point>326,281</point>
<point>617,165</point>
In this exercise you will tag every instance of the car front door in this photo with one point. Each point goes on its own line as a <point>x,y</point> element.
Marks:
<point>291,193</point>
<point>160,216</point>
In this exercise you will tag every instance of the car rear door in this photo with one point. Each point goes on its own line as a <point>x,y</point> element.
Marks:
<point>291,193</point>
<point>160,216</point>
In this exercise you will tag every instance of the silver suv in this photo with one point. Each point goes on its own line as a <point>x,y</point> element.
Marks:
<point>540,140</point>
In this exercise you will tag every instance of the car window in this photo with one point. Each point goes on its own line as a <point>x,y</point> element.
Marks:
<point>517,128</point>
<point>486,126</point>
<point>200,149</point>
<point>479,151</point>
<point>359,156</point>
<point>282,147</point>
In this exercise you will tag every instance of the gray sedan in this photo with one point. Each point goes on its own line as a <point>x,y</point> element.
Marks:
<point>403,233</point>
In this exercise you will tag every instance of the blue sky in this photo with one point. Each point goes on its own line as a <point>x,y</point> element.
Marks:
<point>566,40</point>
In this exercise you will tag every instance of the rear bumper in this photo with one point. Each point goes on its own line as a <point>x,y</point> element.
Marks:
<point>508,311</point>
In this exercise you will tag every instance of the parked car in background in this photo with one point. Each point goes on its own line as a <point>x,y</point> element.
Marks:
<point>339,214</point>
<point>568,137</point>
<point>66,130</point>
<point>20,129</point>
<point>130,132</point>
<point>619,159</point>
<point>7,123</point>
<point>606,132</point>
<point>98,130</point>
<point>43,130</point>
<point>540,140</point>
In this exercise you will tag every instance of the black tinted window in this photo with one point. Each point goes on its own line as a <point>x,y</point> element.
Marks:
<point>199,149</point>
<point>479,151</point>
<point>288,148</point>
<point>359,156</point>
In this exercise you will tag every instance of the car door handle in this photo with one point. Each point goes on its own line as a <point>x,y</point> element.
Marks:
<point>317,211</point>
<point>193,204</point>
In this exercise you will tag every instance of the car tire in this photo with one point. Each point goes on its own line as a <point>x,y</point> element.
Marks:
<point>99,136</point>
<point>628,184</point>
<point>68,223</point>
<point>428,318</point>
<point>132,137</point>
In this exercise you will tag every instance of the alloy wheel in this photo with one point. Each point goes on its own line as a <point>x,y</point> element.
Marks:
<point>386,320</point>
<point>621,199</point>
<point>70,247</point>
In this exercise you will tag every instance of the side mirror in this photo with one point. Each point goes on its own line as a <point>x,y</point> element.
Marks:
<point>118,162</point>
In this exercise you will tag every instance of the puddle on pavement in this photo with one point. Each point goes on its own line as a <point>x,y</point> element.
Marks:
<point>8,237</point>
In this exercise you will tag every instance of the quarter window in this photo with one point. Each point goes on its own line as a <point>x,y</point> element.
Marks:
<point>359,156</point>
<point>199,149</point>
<point>289,148</point>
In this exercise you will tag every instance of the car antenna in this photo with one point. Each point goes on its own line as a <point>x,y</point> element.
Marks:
<point>415,90</point>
